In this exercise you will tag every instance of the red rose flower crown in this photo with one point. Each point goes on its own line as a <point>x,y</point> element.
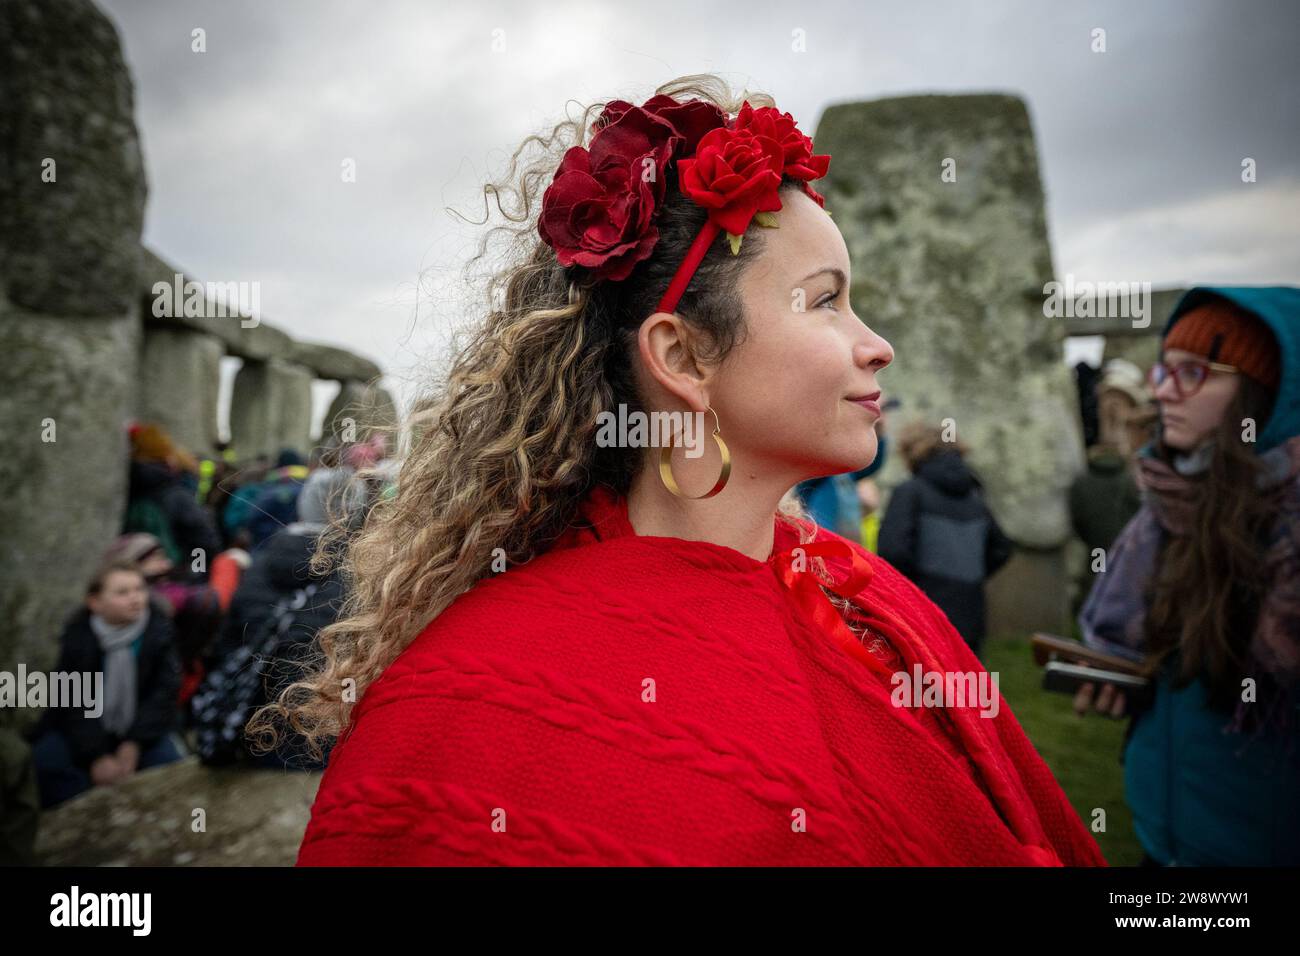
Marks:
<point>600,210</point>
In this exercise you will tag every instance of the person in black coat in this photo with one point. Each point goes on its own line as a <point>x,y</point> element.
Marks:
<point>279,568</point>
<point>126,641</point>
<point>281,564</point>
<point>276,612</point>
<point>190,526</point>
<point>163,501</point>
<point>938,531</point>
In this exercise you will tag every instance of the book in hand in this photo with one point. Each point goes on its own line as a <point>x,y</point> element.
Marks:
<point>1067,665</point>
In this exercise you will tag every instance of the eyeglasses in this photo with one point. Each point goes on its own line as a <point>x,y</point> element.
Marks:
<point>1188,376</point>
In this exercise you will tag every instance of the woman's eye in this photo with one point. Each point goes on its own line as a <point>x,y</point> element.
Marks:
<point>829,297</point>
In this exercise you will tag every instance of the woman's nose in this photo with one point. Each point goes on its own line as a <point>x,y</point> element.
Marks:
<point>873,351</point>
<point>1167,391</point>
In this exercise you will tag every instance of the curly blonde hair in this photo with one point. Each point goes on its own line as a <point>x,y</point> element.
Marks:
<point>503,453</point>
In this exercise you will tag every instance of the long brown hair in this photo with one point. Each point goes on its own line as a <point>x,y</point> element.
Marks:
<point>1205,595</point>
<point>504,452</point>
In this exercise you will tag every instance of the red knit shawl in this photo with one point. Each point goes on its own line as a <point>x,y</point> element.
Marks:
<point>638,700</point>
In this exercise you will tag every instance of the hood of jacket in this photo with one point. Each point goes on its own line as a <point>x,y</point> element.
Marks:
<point>948,472</point>
<point>286,556</point>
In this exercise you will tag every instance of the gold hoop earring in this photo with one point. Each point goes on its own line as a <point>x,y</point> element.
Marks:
<point>666,465</point>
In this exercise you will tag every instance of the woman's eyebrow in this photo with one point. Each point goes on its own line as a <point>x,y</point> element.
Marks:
<point>837,272</point>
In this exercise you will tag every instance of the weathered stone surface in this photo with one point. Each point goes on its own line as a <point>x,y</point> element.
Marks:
<point>329,361</point>
<point>365,406</point>
<point>251,818</point>
<point>71,246</point>
<point>64,499</point>
<point>180,373</point>
<point>271,408</point>
<point>1142,351</point>
<point>255,342</point>
<point>952,273</point>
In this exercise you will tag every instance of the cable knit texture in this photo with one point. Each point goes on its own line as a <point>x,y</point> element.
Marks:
<point>634,700</point>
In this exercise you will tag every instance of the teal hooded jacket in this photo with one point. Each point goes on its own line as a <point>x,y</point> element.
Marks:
<point>1202,795</point>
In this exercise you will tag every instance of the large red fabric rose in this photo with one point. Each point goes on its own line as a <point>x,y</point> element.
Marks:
<point>798,160</point>
<point>599,210</point>
<point>691,119</point>
<point>813,194</point>
<point>734,174</point>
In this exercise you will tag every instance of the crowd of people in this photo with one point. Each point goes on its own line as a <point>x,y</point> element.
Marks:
<point>202,608</point>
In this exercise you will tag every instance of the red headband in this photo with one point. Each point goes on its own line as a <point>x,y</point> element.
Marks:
<point>600,210</point>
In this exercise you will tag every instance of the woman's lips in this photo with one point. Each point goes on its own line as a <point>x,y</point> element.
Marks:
<point>869,402</point>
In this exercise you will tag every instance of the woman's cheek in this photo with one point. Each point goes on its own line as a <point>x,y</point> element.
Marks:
<point>1205,415</point>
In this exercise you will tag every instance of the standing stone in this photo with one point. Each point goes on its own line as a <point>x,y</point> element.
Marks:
<point>271,409</point>
<point>247,338</point>
<point>941,206</point>
<point>1141,350</point>
<point>69,324</point>
<point>180,376</point>
<point>71,246</point>
<point>358,409</point>
<point>332,362</point>
<point>64,498</point>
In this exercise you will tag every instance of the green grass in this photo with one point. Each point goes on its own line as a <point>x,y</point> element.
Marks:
<point>1083,752</point>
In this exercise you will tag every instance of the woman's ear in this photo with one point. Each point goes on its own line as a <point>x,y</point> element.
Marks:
<point>667,351</point>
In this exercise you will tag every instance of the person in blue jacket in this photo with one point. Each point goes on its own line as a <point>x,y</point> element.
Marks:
<point>1203,587</point>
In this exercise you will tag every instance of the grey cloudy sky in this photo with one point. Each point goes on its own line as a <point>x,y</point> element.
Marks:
<point>1140,147</point>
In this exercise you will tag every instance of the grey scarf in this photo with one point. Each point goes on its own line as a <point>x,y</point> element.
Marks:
<point>119,670</point>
